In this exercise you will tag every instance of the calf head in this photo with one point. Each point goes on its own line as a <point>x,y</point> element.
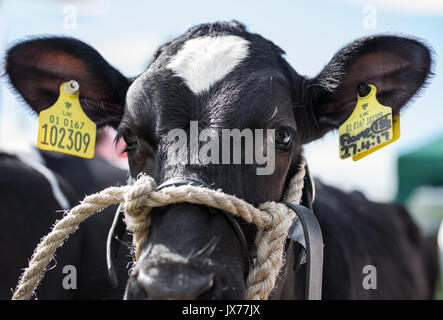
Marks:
<point>223,77</point>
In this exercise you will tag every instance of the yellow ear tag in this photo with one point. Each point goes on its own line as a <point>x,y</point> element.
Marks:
<point>64,127</point>
<point>370,127</point>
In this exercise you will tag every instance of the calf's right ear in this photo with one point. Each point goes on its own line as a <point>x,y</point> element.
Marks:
<point>397,66</point>
<point>36,69</point>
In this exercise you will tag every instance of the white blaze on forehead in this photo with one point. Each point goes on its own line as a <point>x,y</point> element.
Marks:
<point>203,61</point>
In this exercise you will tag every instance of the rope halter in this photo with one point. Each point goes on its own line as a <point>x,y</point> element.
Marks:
<point>272,219</point>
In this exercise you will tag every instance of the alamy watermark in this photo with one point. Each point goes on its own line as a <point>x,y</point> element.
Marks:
<point>204,147</point>
<point>370,278</point>
<point>370,17</point>
<point>70,17</point>
<point>70,280</point>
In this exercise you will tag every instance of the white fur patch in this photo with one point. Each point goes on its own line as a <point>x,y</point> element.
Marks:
<point>162,253</point>
<point>30,156</point>
<point>203,61</point>
<point>37,163</point>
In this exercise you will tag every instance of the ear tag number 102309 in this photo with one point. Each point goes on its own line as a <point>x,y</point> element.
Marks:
<point>64,127</point>
<point>370,127</point>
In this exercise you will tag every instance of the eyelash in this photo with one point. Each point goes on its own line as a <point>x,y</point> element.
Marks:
<point>126,134</point>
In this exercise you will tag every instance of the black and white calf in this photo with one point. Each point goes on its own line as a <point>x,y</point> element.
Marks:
<point>225,77</point>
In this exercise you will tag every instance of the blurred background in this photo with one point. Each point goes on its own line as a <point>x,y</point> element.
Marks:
<point>127,33</point>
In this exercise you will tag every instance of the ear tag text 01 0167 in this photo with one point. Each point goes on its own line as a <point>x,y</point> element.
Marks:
<point>64,127</point>
<point>370,127</point>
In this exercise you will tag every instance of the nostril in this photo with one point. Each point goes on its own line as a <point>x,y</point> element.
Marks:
<point>178,286</point>
<point>208,284</point>
<point>134,291</point>
<point>205,292</point>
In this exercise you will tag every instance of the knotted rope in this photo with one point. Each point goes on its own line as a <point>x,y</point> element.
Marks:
<point>272,219</point>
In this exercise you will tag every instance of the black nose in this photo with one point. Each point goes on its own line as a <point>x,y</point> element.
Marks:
<point>169,283</point>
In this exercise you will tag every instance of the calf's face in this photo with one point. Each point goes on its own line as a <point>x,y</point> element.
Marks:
<point>214,77</point>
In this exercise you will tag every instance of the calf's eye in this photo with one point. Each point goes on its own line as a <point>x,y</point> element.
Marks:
<point>283,138</point>
<point>130,140</point>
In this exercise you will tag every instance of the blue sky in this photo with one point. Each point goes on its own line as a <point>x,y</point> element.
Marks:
<point>127,33</point>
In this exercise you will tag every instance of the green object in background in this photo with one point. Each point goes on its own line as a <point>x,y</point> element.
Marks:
<point>421,167</point>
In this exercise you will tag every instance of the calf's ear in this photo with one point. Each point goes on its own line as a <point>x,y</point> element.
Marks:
<point>37,67</point>
<point>397,66</point>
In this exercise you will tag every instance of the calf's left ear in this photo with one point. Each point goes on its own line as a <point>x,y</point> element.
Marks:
<point>397,66</point>
<point>37,67</point>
